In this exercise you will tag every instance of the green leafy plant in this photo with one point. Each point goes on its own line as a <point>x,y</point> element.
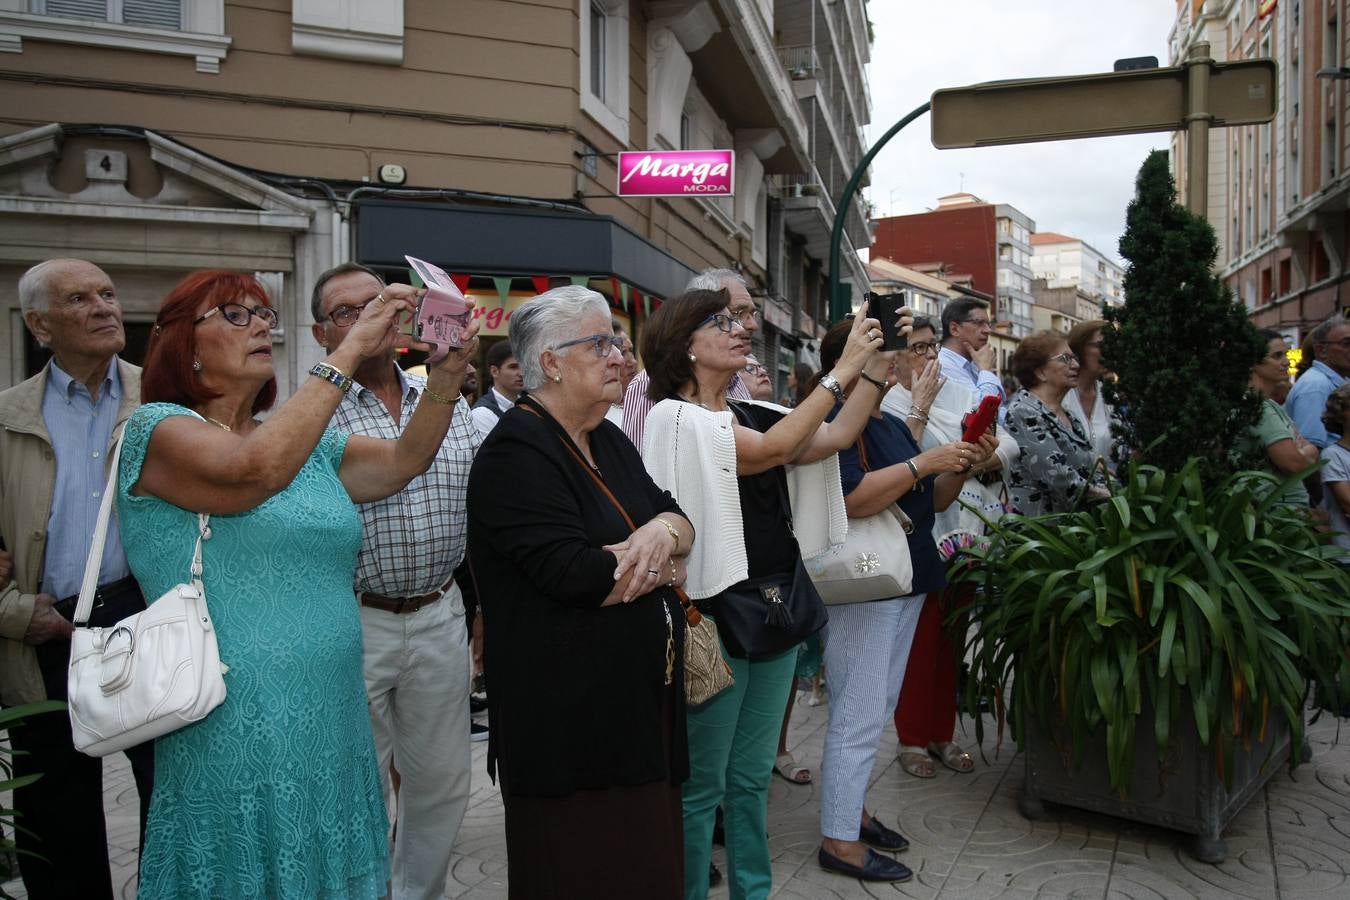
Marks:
<point>1181,594</point>
<point>12,717</point>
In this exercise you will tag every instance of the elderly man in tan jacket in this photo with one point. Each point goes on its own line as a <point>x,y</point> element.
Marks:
<point>57,432</point>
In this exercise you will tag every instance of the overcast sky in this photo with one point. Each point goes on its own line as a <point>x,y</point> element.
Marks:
<point>1080,188</point>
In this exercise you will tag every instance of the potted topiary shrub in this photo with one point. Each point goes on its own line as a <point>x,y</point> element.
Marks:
<point>1155,650</point>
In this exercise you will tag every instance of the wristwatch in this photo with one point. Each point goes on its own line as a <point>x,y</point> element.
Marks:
<point>831,384</point>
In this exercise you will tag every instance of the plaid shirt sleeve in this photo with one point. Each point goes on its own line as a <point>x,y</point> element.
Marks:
<point>414,539</point>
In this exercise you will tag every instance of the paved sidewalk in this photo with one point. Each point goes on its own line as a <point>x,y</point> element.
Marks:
<point>969,842</point>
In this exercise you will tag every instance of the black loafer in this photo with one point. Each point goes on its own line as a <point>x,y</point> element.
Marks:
<point>882,838</point>
<point>875,867</point>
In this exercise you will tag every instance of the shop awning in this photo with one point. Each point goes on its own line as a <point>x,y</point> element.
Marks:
<point>499,242</point>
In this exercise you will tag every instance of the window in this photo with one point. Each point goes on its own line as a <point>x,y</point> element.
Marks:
<point>604,64</point>
<point>598,25</point>
<point>148,13</point>
<point>193,28</point>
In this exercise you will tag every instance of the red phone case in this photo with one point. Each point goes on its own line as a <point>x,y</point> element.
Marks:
<point>977,423</point>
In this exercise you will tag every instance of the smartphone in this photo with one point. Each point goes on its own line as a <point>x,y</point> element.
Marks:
<point>442,314</point>
<point>976,424</point>
<point>885,309</point>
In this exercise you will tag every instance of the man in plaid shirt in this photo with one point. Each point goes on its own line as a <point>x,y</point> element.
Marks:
<point>417,665</point>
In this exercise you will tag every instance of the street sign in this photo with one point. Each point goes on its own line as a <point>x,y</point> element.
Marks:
<point>1129,102</point>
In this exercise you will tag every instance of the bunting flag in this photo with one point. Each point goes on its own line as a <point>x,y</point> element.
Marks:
<point>1266,8</point>
<point>582,280</point>
<point>623,295</point>
<point>540,283</point>
<point>461,282</point>
<point>503,286</point>
<point>646,304</point>
<point>639,300</point>
<point>413,278</point>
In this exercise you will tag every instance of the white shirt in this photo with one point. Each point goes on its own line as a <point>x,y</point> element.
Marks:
<point>484,419</point>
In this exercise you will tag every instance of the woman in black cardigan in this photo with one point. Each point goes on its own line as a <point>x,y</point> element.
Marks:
<point>576,553</point>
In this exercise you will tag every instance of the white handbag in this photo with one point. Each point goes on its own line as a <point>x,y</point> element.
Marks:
<point>873,562</point>
<point>152,672</point>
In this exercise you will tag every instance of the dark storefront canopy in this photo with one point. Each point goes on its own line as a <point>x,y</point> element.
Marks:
<point>513,242</point>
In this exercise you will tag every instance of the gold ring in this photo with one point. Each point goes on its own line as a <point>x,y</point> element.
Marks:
<point>380,297</point>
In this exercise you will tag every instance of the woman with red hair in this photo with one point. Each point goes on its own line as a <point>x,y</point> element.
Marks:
<point>276,792</point>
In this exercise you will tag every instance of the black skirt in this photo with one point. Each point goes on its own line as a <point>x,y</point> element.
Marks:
<point>616,842</point>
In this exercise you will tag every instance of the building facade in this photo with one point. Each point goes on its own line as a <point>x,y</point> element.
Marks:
<point>285,137</point>
<point>1063,261</point>
<point>1278,193</point>
<point>989,242</point>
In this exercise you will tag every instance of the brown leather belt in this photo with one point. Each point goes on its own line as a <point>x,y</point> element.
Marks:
<point>399,605</point>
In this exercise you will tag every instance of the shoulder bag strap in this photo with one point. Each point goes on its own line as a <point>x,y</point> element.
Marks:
<point>85,605</point>
<point>691,613</point>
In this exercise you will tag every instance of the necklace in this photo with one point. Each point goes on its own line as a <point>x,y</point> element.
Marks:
<point>217,424</point>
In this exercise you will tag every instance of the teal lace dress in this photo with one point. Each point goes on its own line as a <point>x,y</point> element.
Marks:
<point>275,794</point>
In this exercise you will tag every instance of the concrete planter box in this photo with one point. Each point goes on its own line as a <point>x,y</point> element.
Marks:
<point>1185,793</point>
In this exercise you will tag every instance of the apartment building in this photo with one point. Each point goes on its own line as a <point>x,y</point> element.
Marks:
<point>988,241</point>
<point>1063,261</point>
<point>1278,193</point>
<point>159,136</point>
<point>1060,308</point>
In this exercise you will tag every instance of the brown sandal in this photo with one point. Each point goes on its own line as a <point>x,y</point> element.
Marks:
<point>950,754</point>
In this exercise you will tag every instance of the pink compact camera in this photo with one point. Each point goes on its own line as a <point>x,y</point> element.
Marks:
<point>442,313</point>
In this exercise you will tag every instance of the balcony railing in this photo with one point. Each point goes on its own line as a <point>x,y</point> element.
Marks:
<point>800,61</point>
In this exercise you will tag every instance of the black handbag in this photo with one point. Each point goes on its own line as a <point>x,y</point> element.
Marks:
<point>762,617</point>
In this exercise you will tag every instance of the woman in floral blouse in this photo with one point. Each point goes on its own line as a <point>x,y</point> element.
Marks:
<point>1056,466</point>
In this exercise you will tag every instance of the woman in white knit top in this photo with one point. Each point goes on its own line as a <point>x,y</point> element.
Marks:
<point>726,465</point>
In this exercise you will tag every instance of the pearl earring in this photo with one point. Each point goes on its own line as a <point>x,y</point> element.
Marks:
<point>196,365</point>
<point>557,379</point>
<point>693,358</point>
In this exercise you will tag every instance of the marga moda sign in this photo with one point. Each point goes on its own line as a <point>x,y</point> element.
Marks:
<point>676,173</point>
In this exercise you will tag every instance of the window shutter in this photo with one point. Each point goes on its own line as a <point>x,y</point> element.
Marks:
<point>152,13</point>
<point>78,9</point>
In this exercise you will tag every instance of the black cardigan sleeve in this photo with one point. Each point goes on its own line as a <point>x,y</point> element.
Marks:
<point>522,497</point>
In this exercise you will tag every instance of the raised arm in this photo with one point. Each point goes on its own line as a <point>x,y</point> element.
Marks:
<point>373,469</point>
<point>800,436</point>
<point>200,467</point>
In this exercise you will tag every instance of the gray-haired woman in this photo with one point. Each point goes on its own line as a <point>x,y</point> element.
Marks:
<point>576,553</point>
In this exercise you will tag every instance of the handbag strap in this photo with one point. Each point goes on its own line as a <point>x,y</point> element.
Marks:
<point>85,605</point>
<point>604,488</point>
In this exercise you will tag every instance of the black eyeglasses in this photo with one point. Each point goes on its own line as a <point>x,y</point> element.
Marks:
<point>723,322</point>
<point>239,314</point>
<point>978,323</point>
<point>344,315</point>
<point>602,344</point>
<point>922,348</point>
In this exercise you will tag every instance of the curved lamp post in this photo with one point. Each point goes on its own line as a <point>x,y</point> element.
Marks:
<point>839,300</point>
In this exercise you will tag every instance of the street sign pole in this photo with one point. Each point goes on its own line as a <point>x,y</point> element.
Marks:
<point>1197,128</point>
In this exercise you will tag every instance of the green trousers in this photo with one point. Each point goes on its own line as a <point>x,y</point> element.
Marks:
<point>733,739</point>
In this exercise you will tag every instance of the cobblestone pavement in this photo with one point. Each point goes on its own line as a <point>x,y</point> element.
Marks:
<point>969,842</point>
